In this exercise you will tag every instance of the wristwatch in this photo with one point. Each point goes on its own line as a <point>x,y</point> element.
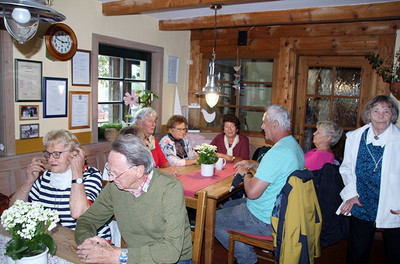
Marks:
<point>123,258</point>
<point>78,181</point>
<point>233,159</point>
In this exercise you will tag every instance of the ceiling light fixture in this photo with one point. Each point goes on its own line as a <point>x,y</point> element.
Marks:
<point>212,90</point>
<point>22,17</point>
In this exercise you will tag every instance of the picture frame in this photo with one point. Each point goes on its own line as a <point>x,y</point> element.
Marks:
<point>55,97</point>
<point>79,110</point>
<point>80,68</point>
<point>29,112</point>
<point>173,69</point>
<point>29,131</point>
<point>28,81</point>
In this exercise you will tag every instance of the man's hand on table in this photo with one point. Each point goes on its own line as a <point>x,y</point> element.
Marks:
<point>171,170</point>
<point>98,250</point>
<point>246,165</point>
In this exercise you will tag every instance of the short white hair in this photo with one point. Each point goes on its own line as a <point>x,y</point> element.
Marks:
<point>280,114</point>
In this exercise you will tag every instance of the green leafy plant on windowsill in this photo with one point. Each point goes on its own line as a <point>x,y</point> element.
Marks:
<point>103,130</point>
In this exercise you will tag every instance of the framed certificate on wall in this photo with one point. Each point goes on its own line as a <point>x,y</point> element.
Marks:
<point>79,110</point>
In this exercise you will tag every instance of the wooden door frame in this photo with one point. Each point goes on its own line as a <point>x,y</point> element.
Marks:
<point>293,47</point>
<point>329,61</point>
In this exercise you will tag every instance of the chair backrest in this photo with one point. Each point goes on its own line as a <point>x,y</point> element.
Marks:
<point>199,204</point>
<point>4,202</point>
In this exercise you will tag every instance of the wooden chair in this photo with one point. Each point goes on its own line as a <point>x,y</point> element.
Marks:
<point>4,202</point>
<point>263,242</point>
<point>199,204</point>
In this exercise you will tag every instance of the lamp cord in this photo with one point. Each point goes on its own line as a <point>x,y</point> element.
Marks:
<point>215,31</point>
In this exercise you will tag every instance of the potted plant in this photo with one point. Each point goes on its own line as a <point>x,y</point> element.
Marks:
<point>29,224</point>
<point>110,130</point>
<point>207,158</point>
<point>389,70</point>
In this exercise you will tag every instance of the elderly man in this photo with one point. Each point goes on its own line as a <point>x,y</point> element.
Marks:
<point>253,214</point>
<point>149,207</point>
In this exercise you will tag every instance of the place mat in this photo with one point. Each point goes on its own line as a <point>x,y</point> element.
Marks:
<point>192,182</point>
<point>5,259</point>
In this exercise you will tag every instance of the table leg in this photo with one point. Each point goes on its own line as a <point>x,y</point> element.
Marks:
<point>210,230</point>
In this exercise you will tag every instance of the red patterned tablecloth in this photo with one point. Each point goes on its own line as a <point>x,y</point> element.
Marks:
<point>192,182</point>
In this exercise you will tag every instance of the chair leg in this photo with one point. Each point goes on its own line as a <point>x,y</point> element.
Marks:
<point>231,250</point>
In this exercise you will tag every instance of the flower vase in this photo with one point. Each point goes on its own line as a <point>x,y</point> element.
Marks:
<point>38,259</point>
<point>207,170</point>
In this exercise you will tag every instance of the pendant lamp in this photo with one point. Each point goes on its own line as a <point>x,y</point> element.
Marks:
<point>22,17</point>
<point>212,90</point>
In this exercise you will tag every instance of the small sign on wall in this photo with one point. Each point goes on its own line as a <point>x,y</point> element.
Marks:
<point>173,64</point>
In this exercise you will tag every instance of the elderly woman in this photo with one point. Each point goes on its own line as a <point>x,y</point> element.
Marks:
<point>327,135</point>
<point>370,172</point>
<point>175,146</point>
<point>230,143</point>
<point>69,186</point>
<point>146,119</point>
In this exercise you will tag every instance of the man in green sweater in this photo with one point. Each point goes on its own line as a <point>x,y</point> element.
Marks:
<point>149,207</point>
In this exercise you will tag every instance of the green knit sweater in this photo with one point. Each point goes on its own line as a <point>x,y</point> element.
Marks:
<point>155,225</point>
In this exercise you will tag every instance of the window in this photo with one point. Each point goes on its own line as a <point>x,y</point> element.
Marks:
<point>253,94</point>
<point>120,70</point>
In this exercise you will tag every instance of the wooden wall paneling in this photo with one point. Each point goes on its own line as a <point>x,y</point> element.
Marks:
<point>195,72</point>
<point>7,125</point>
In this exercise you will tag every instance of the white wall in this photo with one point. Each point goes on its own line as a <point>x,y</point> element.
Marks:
<point>85,18</point>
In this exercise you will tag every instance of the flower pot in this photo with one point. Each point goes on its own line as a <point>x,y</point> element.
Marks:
<point>207,170</point>
<point>38,259</point>
<point>110,134</point>
<point>395,89</point>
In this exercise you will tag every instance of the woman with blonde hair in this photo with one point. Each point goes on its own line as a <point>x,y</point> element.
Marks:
<point>68,186</point>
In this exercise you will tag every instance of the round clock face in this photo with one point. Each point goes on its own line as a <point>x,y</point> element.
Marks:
<point>62,42</point>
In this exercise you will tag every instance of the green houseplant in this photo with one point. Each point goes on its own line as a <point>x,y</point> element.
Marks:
<point>110,130</point>
<point>29,224</point>
<point>389,70</point>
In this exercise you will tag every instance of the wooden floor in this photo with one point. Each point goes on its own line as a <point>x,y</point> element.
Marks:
<point>335,254</point>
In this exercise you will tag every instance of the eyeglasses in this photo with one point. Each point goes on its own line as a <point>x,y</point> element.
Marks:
<point>230,127</point>
<point>110,173</point>
<point>180,129</point>
<point>55,154</point>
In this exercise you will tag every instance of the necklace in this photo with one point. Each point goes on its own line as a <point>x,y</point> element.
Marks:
<point>370,153</point>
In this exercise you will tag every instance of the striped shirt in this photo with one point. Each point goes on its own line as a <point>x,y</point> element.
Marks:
<point>57,199</point>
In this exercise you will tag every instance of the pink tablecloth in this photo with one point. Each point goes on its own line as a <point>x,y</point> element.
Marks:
<point>193,181</point>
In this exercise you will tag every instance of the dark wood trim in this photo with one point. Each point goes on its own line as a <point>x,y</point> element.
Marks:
<point>350,13</point>
<point>127,7</point>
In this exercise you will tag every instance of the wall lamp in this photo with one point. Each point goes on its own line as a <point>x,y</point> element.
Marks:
<point>212,90</point>
<point>22,17</point>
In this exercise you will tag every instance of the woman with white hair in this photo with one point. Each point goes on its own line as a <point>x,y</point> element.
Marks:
<point>327,135</point>
<point>68,186</point>
<point>146,119</point>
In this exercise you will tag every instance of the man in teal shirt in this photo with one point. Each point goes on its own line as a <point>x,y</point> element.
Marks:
<point>149,207</point>
<point>253,214</point>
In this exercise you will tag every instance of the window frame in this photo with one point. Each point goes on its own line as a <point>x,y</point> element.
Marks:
<point>156,79</point>
<point>124,55</point>
<point>205,62</point>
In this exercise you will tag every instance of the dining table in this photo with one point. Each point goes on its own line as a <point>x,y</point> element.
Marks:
<point>218,188</point>
<point>65,245</point>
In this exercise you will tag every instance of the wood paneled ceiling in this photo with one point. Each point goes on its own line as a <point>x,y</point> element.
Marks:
<point>363,11</point>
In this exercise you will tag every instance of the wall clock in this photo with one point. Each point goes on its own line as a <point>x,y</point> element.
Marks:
<point>61,42</point>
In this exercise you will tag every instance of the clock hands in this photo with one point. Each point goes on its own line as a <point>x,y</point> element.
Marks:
<point>60,40</point>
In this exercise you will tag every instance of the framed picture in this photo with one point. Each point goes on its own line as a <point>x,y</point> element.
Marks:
<point>29,131</point>
<point>173,64</point>
<point>79,110</point>
<point>29,112</point>
<point>28,81</point>
<point>55,97</point>
<point>80,68</point>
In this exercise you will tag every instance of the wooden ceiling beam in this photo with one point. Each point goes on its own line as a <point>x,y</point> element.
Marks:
<point>129,7</point>
<point>354,13</point>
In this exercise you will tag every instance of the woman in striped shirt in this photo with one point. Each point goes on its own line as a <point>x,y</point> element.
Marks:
<point>68,186</point>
